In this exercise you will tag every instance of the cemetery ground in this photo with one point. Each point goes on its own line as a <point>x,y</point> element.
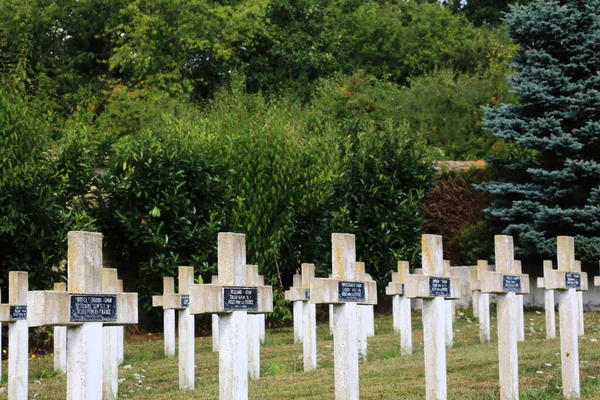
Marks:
<point>472,367</point>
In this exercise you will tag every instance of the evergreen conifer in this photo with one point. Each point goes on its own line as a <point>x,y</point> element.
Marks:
<point>549,184</point>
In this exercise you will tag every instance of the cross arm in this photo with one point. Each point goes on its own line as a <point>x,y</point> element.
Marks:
<point>333,291</point>
<point>219,299</point>
<point>429,287</point>
<point>499,282</point>
<point>561,280</point>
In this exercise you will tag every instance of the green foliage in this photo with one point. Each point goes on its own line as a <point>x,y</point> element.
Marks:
<point>551,187</point>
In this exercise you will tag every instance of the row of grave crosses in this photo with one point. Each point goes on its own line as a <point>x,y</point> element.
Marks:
<point>89,311</point>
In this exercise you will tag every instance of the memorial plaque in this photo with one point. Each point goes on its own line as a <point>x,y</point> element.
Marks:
<point>511,283</point>
<point>439,287</point>
<point>185,300</point>
<point>351,291</point>
<point>240,299</point>
<point>93,308</point>
<point>572,280</point>
<point>307,294</point>
<point>403,288</point>
<point>17,312</point>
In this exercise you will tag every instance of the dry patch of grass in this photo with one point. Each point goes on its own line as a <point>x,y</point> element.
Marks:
<point>472,367</point>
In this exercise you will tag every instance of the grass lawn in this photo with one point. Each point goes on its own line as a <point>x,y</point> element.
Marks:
<point>472,367</point>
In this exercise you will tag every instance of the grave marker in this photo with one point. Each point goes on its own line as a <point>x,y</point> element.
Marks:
<point>449,304</point>
<point>110,362</point>
<point>297,308</point>
<point>261,282</point>
<point>566,282</point>
<point>15,313</point>
<point>345,292</point>
<point>215,322</point>
<point>506,283</point>
<point>168,315</point>
<point>362,318</point>
<point>548,303</point>
<point>84,308</point>
<point>520,310</point>
<point>401,307</point>
<point>433,287</point>
<point>121,330</point>
<point>253,327</point>
<point>60,339</point>
<point>182,303</point>
<point>232,299</point>
<point>574,282</point>
<point>370,313</point>
<point>309,316</point>
<point>483,303</point>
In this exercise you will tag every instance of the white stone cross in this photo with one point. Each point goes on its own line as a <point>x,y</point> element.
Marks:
<point>362,315</point>
<point>566,280</point>
<point>261,282</point>
<point>254,321</point>
<point>296,308</point>
<point>84,308</point>
<point>182,302</point>
<point>232,299</point>
<point>519,306</point>
<point>450,310</point>
<point>309,316</point>
<point>345,292</point>
<point>370,313</point>
<point>110,362</point>
<point>482,304</point>
<point>16,313</point>
<point>401,311</point>
<point>550,314</point>
<point>434,286</point>
<point>168,313</point>
<point>580,320</point>
<point>215,322</point>
<point>60,339</point>
<point>506,283</point>
<point>121,329</point>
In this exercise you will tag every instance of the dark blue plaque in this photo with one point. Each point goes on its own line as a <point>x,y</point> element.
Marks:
<point>185,300</point>
<point>93,308</point>
<point>240,299</point>
<point>511,283</point>
<point>17,312</point>
<point>351,291</point>
<point>307,294</point>
<point>440,287</point>
<point>572,280</point>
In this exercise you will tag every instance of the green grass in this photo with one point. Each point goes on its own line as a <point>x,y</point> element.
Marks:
<point>472,367</point>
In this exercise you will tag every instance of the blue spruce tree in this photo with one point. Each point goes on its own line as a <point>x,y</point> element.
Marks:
<point>551,185</point>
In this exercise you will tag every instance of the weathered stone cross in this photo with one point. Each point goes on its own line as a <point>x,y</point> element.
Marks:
<point>506,283</point>
<point>401,311</point>
<point>482,304</point>
<point>566,280</point>
<point>60,339</point>
<point>434,286</point>
<point>16,313</point>
<point>548,303</point>
<point>166,302</point>
<point>254,321</point>
<point>296,307</point>
<point>345,292</point>
<point>232,299</point>
<point>84,309</point>
<point>301,294</point>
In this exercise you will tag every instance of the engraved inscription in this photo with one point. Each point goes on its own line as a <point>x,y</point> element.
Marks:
<point>240,299</point>
<point>185,300</point>
<point>17,312</point>
<point>351,291</point>
<point>511,283</point>
<point>572,280</point>
<point>307,294</point>
<point>93,308</point>
<point>440,287</point>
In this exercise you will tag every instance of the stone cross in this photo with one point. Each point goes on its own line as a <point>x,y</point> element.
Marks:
<point>580,320</point>
<point>297,308</point>
<point>261,282</point>
<point>186,322</point>
<point>168,314</point>
<point>16,313</point>
<point>401,307</point>
<point>548,303</point>
<point>433,286</point>
<point>110,337</point>
<point>362,316</point>
<point>232,299</point>
<point>309,316</point>
<point>121,330</point>
<point>345,292</point>
<point>215,322</point>
<point>370,313</point>
<point>506,283</point>
<point>60,339</point>
<point>482,305</point>
<point>84,308</point>
<point>520,310</point>
<point>450,310</point>
<point>253,327</point>
<point>566,280</point>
